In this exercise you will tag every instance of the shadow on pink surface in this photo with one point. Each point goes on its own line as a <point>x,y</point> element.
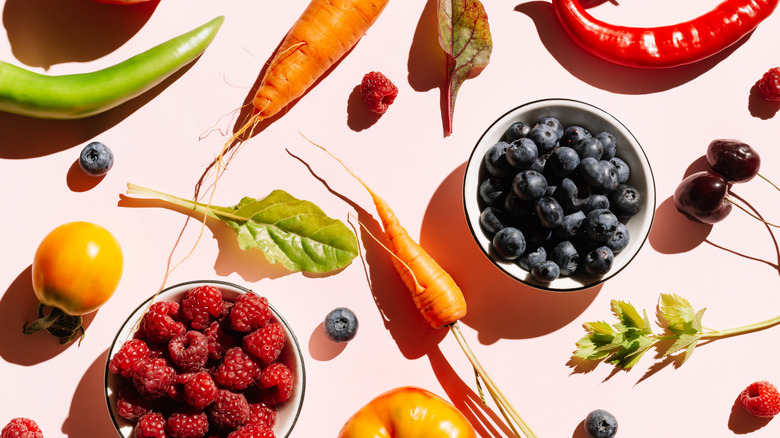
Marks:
<point>17,307</point>
<point>742,422</point>
<point>88,416</point>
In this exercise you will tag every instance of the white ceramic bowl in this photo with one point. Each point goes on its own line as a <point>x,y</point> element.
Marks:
<point>287,413</point>
<point>595,120</point>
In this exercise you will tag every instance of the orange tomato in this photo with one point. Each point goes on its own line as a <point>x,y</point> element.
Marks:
<point>408,412</point>
<point>77,268</point>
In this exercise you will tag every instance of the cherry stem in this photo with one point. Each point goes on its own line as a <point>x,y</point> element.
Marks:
<point>770,182</point>
<point>739,206</point>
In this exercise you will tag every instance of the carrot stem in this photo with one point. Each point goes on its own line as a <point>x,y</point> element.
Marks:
<point>506,408</point>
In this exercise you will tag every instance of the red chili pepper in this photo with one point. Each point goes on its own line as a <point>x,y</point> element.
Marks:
<point>664,46</point>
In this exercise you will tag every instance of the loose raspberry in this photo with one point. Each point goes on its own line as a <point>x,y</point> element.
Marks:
<point>151,425</point>
<point>200,305</point>
<point>769,84</point>
<point>200,390</point>
<point>131,405</point>
<point>130,352</point>
<point>21,427</point>
<point>229,410</point>
<point>278,379</point>
<point>252,431</point>
<point>761,399</point>
<point>237,370</point>
<point>378,92</point>
<point>187,423</point>
<point>219,341</point>
<point>249,312</point>
<point>152,378</point>
<point>189,351</point>
<point>160,322</point>
<point>266,343</point>
<point>261,413</point>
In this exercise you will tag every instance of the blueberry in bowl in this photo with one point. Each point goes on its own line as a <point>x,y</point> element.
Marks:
<point>582,196</point>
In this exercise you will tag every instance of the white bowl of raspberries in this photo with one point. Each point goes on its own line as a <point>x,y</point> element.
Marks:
<point>205,359</point>
<point>559,195</point>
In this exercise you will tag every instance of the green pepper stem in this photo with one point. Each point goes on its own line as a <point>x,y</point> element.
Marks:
<point>506,408</point>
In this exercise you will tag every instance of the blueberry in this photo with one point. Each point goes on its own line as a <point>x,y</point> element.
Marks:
<point>589,147</point>
<point>546,271</point>
<point>496,162</point>
<point>492,220</point>
<point>517,208</point>
<point>96,159</point>
<point>535,233</point>
<point>493,191</point>
<point>549,212</point>
<point>598,261</point>
<point>565,255</point>
<point>570,195</point>
<point>540,163</point>
<point>570,225</point>
<point>516,130</point>
<point>553,123</point>
<point>530,260</point>
<point>601,224</point>
<point>341,325</point>
<point>611,181</point>
<point>529,185</point>
<point>591,171</point>
<point>625,201</point>
<point>563,161</point>
<point>620,240</point>
<point>600,424</point>
<point>595,202</point>
<point>573,134</point>
<point>609,142</point>
<point>622,168</point>
<point>522,153</point>
<point>545,138</point>
<point>509,243</point>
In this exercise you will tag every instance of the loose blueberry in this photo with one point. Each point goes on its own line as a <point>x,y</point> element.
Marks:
<point>565,255</point>
<point>549,212</point>
<point>341,325</point>
<point>625,201</point>
<point>96,159</point>
<point>516,130</point>
<point>522,153</point>
<point>545,138</point>
<point>598,261</point>
<point>496,162</point>
<point>622,168</point>
<point>530,260</point>
<point>573,134</point>
<point>493,191</point>
<point>620,240</point>
<point>563,161</point>
<point>591,171</point>
<point>600,424</point>
<point>509,243</point>
<point>546,272</point>
<point>529,185</point>
<point>595,202</point>
<point>571,196</point>
<point>492,220</point>
<point>601,225</point>
<point>570,225</point>
<point>589,147</point>
<point>553,123</point>
<point>609,142</point>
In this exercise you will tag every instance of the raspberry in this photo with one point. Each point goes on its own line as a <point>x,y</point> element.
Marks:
<point>189,350</point>
<point>123,360</point>
<point>229,410</point>
<point>237,370</point>
<point>261,413</point>
<point>199,390</point>
<point>187,423</point>
<point>265,343</point>
<point>769,84</point>
<point>159,323</point>
<point>218,341</point>
<point>761,399</point>
<point>277,378</point>
<point>200,304</point>
<point>131,405</point>
<point>252,431</point>
<point>378,92</point>
<point>152,378</point>
<point>21,428</point>
<point>151,425</point>
<point>249,312</point>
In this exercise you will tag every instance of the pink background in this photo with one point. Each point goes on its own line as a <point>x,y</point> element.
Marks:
<point>524,337</point>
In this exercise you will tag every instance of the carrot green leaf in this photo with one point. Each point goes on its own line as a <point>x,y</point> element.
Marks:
<point>464,34</point>
<point>295,233</point>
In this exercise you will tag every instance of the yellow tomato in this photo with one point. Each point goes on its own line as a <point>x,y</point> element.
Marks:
<point>77,268</point>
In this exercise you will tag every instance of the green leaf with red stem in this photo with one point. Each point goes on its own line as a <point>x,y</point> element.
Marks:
<point>464,34</point>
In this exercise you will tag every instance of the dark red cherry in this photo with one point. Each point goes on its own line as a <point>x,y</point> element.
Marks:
<point>702,197</point>
<point>736,161</point>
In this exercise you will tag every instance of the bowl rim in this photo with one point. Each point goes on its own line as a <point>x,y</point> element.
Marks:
<point>650,177</point>
<point>279,317</point>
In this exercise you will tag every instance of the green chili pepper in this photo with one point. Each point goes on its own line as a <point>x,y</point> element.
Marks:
<point>82,95</point>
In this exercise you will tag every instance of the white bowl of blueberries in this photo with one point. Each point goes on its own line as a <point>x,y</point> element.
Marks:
<point>559,194</point>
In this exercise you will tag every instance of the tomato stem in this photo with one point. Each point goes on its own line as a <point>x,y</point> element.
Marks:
<point>57,323</point>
